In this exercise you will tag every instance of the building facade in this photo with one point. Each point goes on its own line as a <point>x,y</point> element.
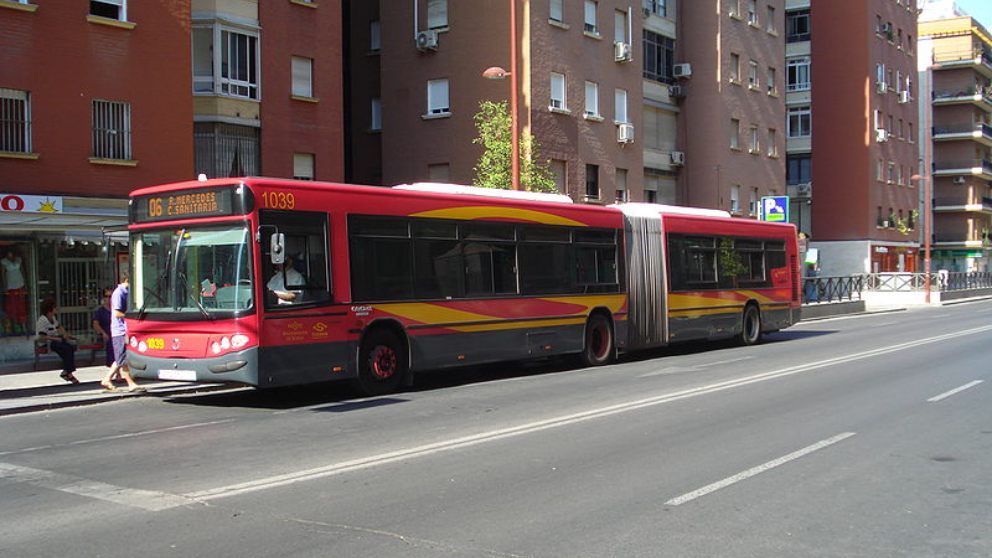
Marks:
<point>412,104</point>
<point>100,97</point>
<point>865,202</point>
<point>956,67</point>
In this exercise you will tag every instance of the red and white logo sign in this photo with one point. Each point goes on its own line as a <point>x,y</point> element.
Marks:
<point>30,204</point>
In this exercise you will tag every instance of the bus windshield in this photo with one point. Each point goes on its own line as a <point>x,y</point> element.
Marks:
<point>193,271</point>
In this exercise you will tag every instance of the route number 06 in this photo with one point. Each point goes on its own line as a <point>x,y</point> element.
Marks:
<point>279,200</point>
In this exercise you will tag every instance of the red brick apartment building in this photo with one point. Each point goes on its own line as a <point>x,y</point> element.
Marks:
<point>865,206</point>
<point>629,99</point>
<point>412,104</point>
<point>100,97</point>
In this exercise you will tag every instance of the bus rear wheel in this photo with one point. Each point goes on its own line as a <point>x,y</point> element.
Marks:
<point>598,348</point>
<point>750,326</point>
<point>383,363</point>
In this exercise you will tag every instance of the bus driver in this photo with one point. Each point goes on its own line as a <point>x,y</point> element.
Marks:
<point>285,274</point>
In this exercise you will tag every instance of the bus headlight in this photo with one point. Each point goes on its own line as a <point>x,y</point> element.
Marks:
<point>142,347</point>
<point>225,343</point>
<point>239,340</point>
<point>215,347</point>
<point>134,342</point>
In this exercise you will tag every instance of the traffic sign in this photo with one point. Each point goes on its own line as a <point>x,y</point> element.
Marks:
<point>774,209</point>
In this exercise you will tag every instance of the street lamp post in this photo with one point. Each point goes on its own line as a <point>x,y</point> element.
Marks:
<point>499,73</point>
<point>927,178</point>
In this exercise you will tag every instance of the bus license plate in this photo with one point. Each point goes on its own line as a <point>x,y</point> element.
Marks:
<point>177,375</point>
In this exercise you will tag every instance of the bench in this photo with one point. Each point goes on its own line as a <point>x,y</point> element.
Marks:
<point>41,349</point>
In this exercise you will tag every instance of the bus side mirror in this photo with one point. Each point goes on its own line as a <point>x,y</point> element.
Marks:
<point>278,248</point>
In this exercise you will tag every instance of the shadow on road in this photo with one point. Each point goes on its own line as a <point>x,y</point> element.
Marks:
<point>342,397</point>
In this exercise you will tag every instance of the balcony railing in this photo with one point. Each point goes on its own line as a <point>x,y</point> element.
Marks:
<point>976,55</point>
<point>985,129</point>
<point>984,164</point>
<point>951,201</point>
<point>970,92</point>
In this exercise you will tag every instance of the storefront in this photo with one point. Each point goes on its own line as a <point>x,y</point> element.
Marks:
<point>64,248</point>
<point>894,258</point>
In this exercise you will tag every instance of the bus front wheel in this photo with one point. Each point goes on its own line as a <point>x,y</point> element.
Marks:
<point>383,363</point>
<point>599,348</point>
<point>750,326</point>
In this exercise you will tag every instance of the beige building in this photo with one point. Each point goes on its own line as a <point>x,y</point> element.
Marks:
<point>956,64</point>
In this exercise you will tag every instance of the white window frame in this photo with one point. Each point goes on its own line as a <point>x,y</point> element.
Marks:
<point>559,92</point>
<point>438,97</point>
<point>556,12</point>
<point>620,115</point>
<point>735,133</point>
<point>304,166</point>
<point>302,80</point>
<point>437,14</point>
<point>772,142</point>
<point>111,130</point>
<point>376,116</point>
<point>15,133</point>
<point>220,85</point>
<point>801,113</point>
<point>753,142</point>
<point>592,100</point>
<point>735,198</point>
<point>798,74</point>
<point>589,17</point>
<point>753,82</point>
<point>735,67</point>
<point>752,204</point>
<point>752,12</point>
<point>120,4</point>
<point>620,27</point>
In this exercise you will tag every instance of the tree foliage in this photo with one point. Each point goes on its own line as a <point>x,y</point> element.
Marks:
<point>493,170</point>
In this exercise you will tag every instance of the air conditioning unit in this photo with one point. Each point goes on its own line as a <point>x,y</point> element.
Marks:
<point>676,91</point>
<point>881,86</point>
<point>682,70</point>
<point>804,189</point>
<point>625,132</point>
<point>904,97</point>
<point>886,28</point>
<point>959,180</point>
<point>678,158</point>
<point>881,135</point>
<point>427,40</point>
<point>647,12</point>
<point>621,51</point>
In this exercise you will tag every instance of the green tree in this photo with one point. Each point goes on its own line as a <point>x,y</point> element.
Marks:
<point>493,170</point>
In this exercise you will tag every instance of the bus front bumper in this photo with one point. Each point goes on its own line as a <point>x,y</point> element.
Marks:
<point>239,368</point>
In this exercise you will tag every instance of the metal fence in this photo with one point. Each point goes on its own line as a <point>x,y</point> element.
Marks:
<point>849,288</point>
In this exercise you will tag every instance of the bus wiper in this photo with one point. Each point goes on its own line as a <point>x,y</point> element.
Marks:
<point>189,293</point>
<point>142,311</point>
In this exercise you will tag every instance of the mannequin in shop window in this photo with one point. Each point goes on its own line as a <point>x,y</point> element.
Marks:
<point>16,294</point>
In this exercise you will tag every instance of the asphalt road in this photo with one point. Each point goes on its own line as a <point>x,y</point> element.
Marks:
<point>858,436</point>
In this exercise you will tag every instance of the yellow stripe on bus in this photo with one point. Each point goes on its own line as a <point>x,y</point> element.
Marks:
<point>494,212</point>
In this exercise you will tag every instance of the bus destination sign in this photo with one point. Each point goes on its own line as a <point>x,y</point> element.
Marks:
<point>186,204</point>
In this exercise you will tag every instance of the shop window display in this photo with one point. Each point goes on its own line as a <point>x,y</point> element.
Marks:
<point>15,283</point>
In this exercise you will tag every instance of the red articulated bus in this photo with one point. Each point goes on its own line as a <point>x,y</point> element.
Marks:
<point>269,282</point>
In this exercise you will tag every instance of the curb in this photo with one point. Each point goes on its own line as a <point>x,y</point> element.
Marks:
<point>104,397</point>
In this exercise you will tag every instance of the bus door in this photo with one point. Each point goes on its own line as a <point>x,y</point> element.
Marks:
<point>302,332</point>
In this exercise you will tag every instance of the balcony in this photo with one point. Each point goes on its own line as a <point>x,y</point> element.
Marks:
<point>962,203</point>
<point>981,168</point>
<point>978,58</point>
<point>979,96</point>
<point>980,132</point>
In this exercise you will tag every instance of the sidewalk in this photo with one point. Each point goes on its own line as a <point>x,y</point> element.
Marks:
<point>23,392</point>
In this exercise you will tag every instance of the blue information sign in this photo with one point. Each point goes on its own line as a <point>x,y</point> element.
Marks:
<point>774,209</point>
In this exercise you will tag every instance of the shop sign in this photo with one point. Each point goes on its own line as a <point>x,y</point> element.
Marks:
<point>30,204</point>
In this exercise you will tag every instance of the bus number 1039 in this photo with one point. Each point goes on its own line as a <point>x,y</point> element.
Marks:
<point>278,200</point>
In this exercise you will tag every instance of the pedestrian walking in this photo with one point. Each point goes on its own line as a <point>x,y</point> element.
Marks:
<point>101,324</point>
<point>118,337</point>
<point>50,330</point>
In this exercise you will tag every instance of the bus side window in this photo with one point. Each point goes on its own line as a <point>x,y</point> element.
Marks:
<point>304,277</point>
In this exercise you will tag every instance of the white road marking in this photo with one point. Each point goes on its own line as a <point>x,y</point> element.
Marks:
<point>119,436</point>
<point>947,394</point>
<point>553,422</point>
<point>757,470</point>
<point>145,499</point>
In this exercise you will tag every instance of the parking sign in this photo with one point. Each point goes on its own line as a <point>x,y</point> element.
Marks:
<point>774,209</point>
